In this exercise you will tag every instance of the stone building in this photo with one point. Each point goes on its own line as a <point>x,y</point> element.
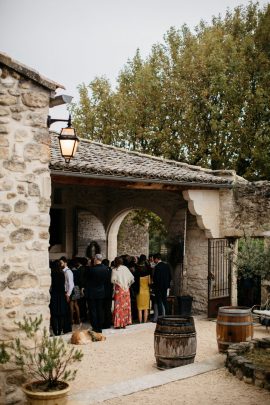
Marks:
<point>25,189</point>
<point>203,210</point>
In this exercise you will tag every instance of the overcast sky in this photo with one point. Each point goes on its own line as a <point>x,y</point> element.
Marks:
<point>73,41</point>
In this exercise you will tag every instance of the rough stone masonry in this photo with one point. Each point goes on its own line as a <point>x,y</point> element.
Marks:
<point>25,189</point>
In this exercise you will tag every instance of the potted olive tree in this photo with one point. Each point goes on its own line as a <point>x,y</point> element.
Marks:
<point>45,362</point>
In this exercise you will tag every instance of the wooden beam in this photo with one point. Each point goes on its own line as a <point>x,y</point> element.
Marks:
<point>85,181</point>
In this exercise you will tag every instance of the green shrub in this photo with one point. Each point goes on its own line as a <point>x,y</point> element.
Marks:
<point>253,258</point>
<point>48,361</point>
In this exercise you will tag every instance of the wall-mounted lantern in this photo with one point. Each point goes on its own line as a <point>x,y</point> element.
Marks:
<point>68,139</point>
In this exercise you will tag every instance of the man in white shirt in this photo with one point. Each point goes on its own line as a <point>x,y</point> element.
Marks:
<point>69,285</point>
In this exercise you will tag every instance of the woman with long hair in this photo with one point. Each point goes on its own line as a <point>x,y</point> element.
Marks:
<point>122,279</point>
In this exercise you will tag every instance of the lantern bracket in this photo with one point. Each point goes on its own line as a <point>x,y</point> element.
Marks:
<point>51,121</point>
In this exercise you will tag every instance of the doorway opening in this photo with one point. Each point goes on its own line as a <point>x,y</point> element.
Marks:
<point>142,232</point>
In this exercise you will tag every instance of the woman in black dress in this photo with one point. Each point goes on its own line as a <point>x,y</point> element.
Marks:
<point>58,303</point>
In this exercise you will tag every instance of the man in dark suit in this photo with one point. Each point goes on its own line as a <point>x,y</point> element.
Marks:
<point>95,278</point>
<point>161,283</point>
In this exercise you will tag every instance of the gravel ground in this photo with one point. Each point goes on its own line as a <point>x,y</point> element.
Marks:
<point>129,353</point>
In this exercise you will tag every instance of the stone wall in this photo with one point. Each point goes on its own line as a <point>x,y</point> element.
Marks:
<point>195,281</point>
<point>239,362</point>
<point>176,245</point>
<point>245,210</point>
<point>90,229</point>
<point>25,188</point>
<point>132,239</point>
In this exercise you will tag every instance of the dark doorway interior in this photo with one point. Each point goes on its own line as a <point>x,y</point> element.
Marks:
<point>249,291</point>
<point>57,227</point>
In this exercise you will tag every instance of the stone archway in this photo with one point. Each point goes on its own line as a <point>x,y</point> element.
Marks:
<point>112,233</point>
<point>113,230</point>
<point>175,241</point>
<point>133,236</point>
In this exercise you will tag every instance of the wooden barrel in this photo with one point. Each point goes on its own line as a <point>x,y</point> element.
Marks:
<point>175,341</point>
<point>234,325</point>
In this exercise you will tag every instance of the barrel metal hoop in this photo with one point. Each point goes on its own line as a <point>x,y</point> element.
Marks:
<point>177,358</point>
<point>231,343</point>
<point>234,315</point>
<point>234,323</point>
<point>234,311</point>
<point>173,335</point>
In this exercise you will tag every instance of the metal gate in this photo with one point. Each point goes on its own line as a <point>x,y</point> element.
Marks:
<point>219,275</point>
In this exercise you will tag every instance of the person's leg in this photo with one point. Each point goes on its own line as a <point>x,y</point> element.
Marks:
<point>145,315</point>
<point>164,302</point>
<point>93,314</point>
<point>61,323</point>
<point>159,303</point>
<point>107,304</point>
<point>133,301</point>
<point>100,315</point>
<point>54,325</point>
<point>83,309</point>
<point>140,315</point>
<point>77,310</point>
<point>67,326</point>
<point>155,317</point>
<point>89,311</point>
<point>71,305</point>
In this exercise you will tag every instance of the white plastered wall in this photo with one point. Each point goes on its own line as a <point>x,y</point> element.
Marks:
<point>205,205</point>
<point>112,234</point>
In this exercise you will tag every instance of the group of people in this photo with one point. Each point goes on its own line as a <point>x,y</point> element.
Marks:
<point>83,289</point>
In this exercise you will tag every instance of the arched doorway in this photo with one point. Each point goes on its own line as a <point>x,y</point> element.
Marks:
<point>170,242</point>
<point>142,232</point>
<point>132,232</point>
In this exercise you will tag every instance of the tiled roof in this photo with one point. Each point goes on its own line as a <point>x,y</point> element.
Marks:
<point>94,159</point>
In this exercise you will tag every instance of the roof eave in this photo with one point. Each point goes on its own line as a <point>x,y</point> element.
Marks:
<point>142,180</point>
<point>28,72</point>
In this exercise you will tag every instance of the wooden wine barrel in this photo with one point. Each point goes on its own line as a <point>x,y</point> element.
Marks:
<point>234,325</point>
<point>175,341</point>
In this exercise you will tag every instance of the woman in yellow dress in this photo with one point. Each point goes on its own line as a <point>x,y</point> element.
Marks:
<point>143,281</point>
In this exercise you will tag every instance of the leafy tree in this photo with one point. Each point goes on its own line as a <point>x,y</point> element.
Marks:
<point>252,259</point>
<point>96,117</point>
<point>201,97</point>
<point>156,229</point>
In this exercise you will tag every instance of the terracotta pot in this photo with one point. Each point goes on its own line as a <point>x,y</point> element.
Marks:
<point>46,397</point>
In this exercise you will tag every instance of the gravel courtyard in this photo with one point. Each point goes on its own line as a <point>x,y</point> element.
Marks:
<point>128,354</point>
